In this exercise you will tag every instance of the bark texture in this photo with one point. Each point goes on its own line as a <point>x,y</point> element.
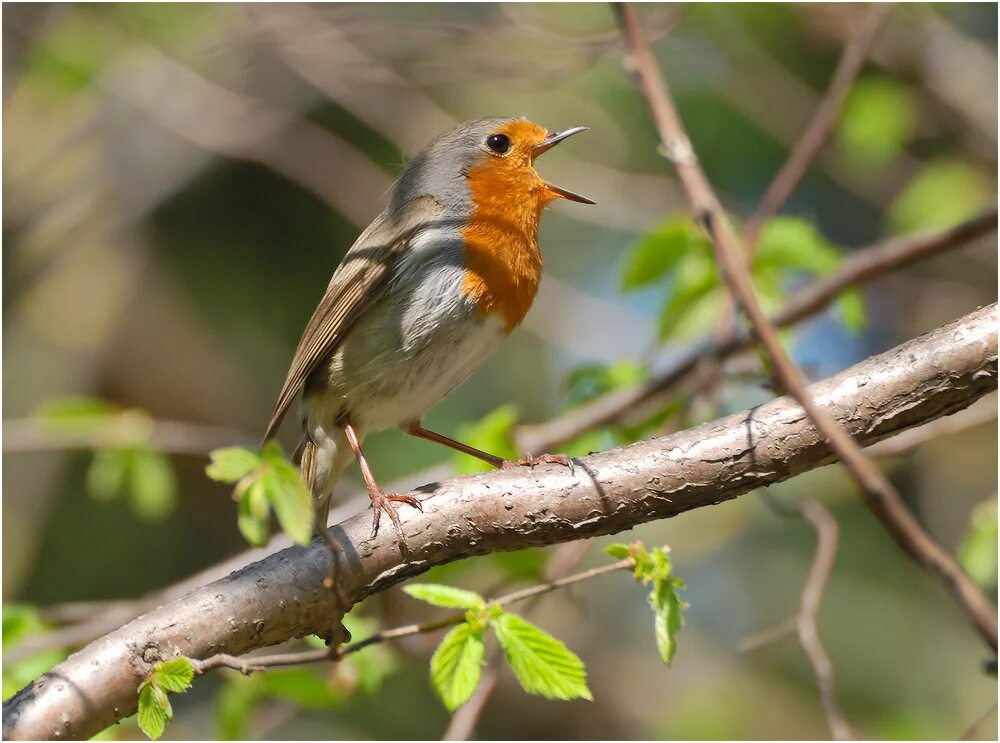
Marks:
<point>283,596</point>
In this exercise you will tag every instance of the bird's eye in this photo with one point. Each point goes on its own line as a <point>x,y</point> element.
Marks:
<point>498,143</point>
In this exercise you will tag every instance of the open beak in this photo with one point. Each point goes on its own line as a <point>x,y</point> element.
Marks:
<point>547,144</point>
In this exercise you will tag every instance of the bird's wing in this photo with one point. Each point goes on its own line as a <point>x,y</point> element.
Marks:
<point>359,280</point>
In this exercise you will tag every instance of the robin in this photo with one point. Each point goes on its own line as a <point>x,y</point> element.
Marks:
<point>428,292</point>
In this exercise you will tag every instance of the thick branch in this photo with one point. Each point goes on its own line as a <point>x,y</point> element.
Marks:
<point>283,596</point>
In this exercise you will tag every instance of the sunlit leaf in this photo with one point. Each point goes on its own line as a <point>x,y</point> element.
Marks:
<point>659,251</point>
<point>252,514</point>
<point>851,306</point>
<point>154,710</point>
<point>305,687</point>
<point>978,549</point>
<point>877,121</point>
<point>232,464</point>
<point>290,499</point>
<point>107,473</point>
<point>943,194</point>
<point>794,244</point>
<point>174,675</point>
<point>234,704</point>
<point>543,665</point>
<point>447,597</point>
<point>457,664</point>
<point>76,413</point>
<point>693,281</point>
<point>152,484</point>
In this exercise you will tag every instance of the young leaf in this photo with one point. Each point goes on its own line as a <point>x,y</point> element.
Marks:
<point>878,119</point>
<point>694,282</point>
<point>154,710</point>
<point>457,664</point>
<point>793,244</point>
<point>447,597</point>
<point>232,464</point>
<point>174,674</point>
<point>152,484</point>
<point>618,550</point>
<point>107,472</point>
<point>943,194</point>
<point>304,687</point>
<point>659,251</point>
<point>234,705</point>
<point>851,306</point>
<point>290,499</point>
<point>252,514</point>
<point>668,616</point>
<point>978,548</point>
<point>543,665</point>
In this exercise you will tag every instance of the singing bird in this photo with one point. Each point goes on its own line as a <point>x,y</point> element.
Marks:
<point>428,292</point>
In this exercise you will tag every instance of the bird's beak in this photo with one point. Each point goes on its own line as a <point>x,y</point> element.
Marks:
<point>547,144</point>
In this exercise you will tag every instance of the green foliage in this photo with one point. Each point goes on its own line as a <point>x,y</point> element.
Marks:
<point>653,568</point>
<point>21,622</point>
<point>943,194</point>
<point>132,469</point>
<point>543,665</point>
<point>589,381</point>
<point>491,434</point>
<point>155,712</point>
<point>877,121</point>
<point>526,564</point>
<point>447,597</point>
<point>457,664</point>
<point>265,482</point>
<point>978,549</point>
<point>661,250</point>
<point>678,253</point>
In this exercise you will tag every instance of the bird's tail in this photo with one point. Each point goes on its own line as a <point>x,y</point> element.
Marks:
<point>320,467</point>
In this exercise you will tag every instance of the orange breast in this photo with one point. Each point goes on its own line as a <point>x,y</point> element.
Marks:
<point>502,258</point>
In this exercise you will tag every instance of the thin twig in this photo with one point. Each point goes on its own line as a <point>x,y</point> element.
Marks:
<point>827,537</point>
<point>863,265</point>
<point>974,727</point>
<point>248,665</point>
<point>804,622</point>
<point>879,493</point>
<point>820,126</point>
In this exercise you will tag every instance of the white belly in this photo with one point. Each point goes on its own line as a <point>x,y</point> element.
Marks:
<point>411,348</point>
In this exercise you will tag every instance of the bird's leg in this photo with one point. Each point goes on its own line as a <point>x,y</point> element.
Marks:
<point>415,429</point>
<point>380,501</point>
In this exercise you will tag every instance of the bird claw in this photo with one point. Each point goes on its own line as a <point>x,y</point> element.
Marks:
<point>534,461</point>
<point>382,502</point>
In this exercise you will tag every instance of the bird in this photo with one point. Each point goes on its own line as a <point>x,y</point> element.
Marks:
<point>429,290</point>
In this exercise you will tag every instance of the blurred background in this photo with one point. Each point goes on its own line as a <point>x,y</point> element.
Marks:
<point>180,182</point>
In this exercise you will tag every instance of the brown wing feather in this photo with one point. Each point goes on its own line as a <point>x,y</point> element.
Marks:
<point>358,281</point>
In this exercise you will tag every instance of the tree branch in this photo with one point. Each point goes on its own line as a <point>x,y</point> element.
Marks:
<point>865,264</point>
<point>282,596</point>
<point>880,495</point>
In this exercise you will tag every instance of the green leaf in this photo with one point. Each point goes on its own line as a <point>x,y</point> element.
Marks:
<point>490,434</point>
<point>618,550</point>
<point>657,253</point>
<point>528,564</point>
<point>543,665</point>
<point>305,687</point>
<point>174,675</point>
<point>877,121</point>
<point>152,485</point>
<point>851,306</point>
<point>20,621</point>
<point>290,499</point>
<point>978,549</point>
<point>943,194</point>
<point>234,704</point>
<point>457,664</point>
<point>694,282</point>
<point>668,612</point>
<point>793,244</point>
<point>232,464</point>
<point>107,473</point>
<point>589,381</point>
<point>447,597</point>
<point>252,514</point>
<point>154,710</point>
<point>75,413</point>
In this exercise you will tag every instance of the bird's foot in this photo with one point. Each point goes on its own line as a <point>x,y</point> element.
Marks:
<point>382,502</point>
<point>533,461</point>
